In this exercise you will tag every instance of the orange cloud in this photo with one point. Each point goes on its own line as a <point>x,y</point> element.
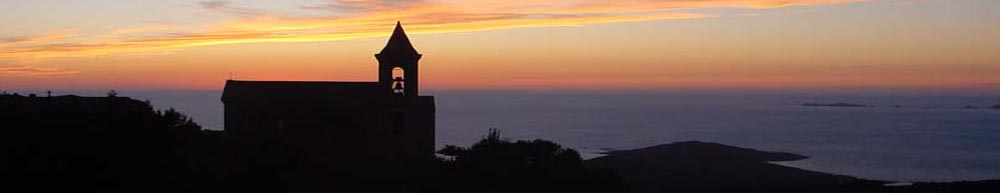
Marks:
<point>350,19</point>
<point>33,71</point>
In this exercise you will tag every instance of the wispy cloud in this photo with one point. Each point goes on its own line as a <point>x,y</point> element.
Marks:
<point>350,19</point>
<point>152,27</point>
<point>228,7</point>
<point>355,6</point>
<point>43,38</point>
<point>213,4</point>
<point>34,71</point>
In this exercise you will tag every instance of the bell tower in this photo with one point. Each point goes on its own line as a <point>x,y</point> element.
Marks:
<point>397,65</point>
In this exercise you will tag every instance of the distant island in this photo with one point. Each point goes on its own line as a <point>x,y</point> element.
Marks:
<point>697,167</point>
<point>835,105</point>
<point>997,107</point>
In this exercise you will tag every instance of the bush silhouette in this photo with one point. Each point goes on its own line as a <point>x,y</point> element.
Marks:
<point>497,165</point>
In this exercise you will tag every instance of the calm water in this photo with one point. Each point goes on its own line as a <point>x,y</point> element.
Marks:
<point>929,138</point>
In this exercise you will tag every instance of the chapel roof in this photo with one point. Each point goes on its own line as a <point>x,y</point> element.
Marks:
<point>238,89</point>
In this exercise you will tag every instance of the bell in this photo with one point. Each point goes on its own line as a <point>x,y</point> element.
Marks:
<point>398,86</point>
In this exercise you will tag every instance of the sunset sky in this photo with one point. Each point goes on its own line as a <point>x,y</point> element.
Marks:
<point>505,44</point>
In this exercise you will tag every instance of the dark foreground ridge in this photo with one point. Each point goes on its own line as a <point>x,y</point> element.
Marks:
<point>118,144</point>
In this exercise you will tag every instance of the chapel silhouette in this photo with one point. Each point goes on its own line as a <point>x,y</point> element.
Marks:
<point>317,128</point>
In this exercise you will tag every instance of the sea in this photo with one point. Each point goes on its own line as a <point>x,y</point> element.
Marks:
<point>905,136</point>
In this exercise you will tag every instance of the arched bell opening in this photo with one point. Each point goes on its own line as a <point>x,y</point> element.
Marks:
<point>398,81</point>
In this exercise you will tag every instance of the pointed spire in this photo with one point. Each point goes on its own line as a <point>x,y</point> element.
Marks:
<point>399,44</point>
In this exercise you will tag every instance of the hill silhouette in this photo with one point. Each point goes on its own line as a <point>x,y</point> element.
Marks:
<point>106,144</point>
